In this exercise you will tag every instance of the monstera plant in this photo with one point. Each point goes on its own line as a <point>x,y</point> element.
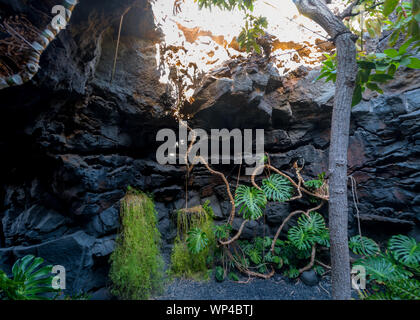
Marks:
<point>30,280</point>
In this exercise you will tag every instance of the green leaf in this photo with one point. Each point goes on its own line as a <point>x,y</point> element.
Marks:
<point>233,276</point>
<point>364,75</point>
<point>314,223</point>
<point>394,37</point>
<point>404,289</point>
<point>292,273</point>
<point>357,95</point>
<point>380,268</point>
<point>219,274</point>
<point>255,256</point>
<point>415,10</point>
<point>414,63</point>
<point>389,7</point>
<point>267,242</point>
<point>366,64</point>
<point>404,47</point>
<point>405,249</point>
<point>300,238</point>
<point>363,246</point>
<point>392,69</point>
<point>380,77</point>
<point>380,55</point>
<point>392,53</point>
<point>251,201</point>
<point>323,238</point>
<point>29,280</point>
<point>222,231</point>
<point>319,270</point>
<point>414,29</point>
<point>277,188</point>
<point>374,87</point>
<point>197,240</point>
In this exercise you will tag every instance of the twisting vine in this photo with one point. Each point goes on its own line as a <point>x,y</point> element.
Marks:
<point>320,193</point>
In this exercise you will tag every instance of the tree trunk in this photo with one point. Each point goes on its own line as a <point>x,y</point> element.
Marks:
<point>340,127</point>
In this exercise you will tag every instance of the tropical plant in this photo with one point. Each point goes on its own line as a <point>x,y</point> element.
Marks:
<point>350,90</point>
<point>363,246</point>
<point>197,240</point>
<point>194,244</point>
<point>277,188</point>
<point>309,230</point>
<point>402,289</point>
<point>251,200</point>
<point>222,231</point>
<point>254,28</point>
<point>30,280</point>
<point>405,249</point>
<point>393,274</point>
<point>233,276</point>
<point>378,68</point>
<point>316,183</point>
<point>219,274</point>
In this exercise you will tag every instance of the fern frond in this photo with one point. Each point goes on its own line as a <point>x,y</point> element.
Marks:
<point>277,188</point>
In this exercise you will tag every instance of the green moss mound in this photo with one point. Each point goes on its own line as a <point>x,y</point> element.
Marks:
<point>183,262</point>
<point>136,264</point>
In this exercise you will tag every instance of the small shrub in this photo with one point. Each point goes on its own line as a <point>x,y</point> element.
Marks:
<point>194,243</point>
<point>136,264</point>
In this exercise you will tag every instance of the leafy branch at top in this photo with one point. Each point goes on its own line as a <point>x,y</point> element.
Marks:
<point>253,28</point>
<point>376,69</point>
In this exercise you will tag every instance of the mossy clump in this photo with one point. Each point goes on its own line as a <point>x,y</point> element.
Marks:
<point>184,263</point>
<point>136,264</point>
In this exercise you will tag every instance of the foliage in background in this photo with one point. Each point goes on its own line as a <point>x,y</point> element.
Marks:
<point>136,263</point>
<point>393,274</point>
<point>377,68</point>
<point>253,29</point>
<point>194,244</point>
<point>30,281</point>
<point>316,183</point>
<point>254,26</point>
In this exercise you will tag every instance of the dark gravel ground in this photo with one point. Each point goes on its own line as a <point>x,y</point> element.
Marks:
<point>276,288</point>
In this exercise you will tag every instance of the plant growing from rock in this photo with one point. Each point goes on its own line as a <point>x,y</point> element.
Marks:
<point>252,200</point>
<point>136,263</point>
<point>194,244</point>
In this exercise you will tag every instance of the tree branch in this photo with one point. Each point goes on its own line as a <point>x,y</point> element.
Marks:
<point>348,11</point>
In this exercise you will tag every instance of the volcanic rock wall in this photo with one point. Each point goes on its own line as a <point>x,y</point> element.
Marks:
<point>72,141</point>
